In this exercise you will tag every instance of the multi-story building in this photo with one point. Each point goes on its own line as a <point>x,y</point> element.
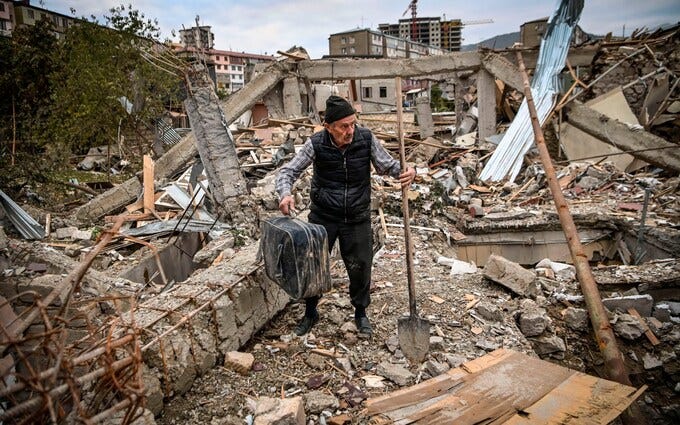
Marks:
<point>6,18</point>
<point>372,94</point>
<point>15,14</point>
<point>366,43</point>
<point>531,33</point>
<point>234,69</point>
<point>197,37</point>
<point>430,31</point>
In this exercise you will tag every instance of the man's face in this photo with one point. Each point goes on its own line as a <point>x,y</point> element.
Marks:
<point>342,130</point>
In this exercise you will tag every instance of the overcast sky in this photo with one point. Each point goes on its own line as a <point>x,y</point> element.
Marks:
<point>265,26</point>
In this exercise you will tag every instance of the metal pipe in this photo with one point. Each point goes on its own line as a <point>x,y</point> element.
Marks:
<point>613,359</point>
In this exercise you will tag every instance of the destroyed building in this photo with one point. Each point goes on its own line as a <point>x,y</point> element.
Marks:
<point>168,317</point>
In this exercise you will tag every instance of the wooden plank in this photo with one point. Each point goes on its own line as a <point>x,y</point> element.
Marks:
<point>501,384</point>
<point>149,190</point>
<point>415,394</point>
<point>498,381</point>
<point>488,360</point>
<point>648,332</point>
<point>581,399</point>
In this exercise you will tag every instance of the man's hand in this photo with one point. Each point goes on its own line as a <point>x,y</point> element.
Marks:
<point>287,205</point>
<point>406,178</point>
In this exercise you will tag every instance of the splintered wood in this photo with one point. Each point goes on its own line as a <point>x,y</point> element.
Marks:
<point>505,387</point>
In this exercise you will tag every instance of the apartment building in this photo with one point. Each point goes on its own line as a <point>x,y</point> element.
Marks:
<point>366,43</point>
<point>445,34</point>
<point>378,95</point>
<point>234,69</point>
<point>16,14</point>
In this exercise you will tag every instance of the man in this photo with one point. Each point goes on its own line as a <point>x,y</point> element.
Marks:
<point>342,155</point>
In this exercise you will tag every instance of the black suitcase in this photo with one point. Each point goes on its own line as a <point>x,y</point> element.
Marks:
<point>296,256</point>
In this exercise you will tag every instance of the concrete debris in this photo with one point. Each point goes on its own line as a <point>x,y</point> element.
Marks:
<point>642,303</point>
<point>576,318</point>
<point>534,321</point>
<point>628,326</point>
<point>318,401</point>
<point>511,275</point>
<point>395,373</point>
<point>549,345</point>
<point>240,362</point>
<point>287,411</point>
<point>651,362</point>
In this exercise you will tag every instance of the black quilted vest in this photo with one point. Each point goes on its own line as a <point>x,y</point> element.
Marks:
<point>341,186</point>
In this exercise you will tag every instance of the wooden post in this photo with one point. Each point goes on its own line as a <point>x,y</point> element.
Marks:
<point>148,185</point>
<point>613,359</point>
<point>14,131</point>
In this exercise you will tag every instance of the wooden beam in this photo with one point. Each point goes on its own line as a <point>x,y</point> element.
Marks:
<point>149,188</point>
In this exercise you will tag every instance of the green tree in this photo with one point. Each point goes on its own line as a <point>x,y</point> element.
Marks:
<point>100,66</point>
<point>26,62</point>
<point>439,104</point>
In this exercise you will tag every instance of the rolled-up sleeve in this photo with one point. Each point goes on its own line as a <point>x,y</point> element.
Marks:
<point>290,172</point>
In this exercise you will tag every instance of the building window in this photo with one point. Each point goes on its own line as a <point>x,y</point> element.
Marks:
<point>2,7</point>
<point>351,39</point>
<point>352,50</point>
<point>343,50</point>
<point>343,40</point>
<point>368,92</point>
<point>383,91</point>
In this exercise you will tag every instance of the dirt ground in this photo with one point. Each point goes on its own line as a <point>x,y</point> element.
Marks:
<point>286,366</point>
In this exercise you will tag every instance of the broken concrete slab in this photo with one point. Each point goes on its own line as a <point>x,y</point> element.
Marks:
<point>510,275</point>
<point>636,141</point>
<point>183,152</point>
<point>642,303</point>
<point>578,144</point>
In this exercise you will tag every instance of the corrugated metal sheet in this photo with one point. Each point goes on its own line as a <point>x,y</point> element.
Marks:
<point>24,223</point>
<point>506,160</point>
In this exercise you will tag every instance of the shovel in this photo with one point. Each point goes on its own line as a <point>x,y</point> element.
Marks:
<point>413,332</point>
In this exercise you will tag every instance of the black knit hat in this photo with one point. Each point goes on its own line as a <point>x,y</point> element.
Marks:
<point>337,108</point>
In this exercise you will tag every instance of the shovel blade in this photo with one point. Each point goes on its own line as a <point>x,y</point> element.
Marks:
<point>414,338</point>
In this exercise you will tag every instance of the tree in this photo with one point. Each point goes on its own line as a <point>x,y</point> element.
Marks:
<point>25,65</point>
<point>26,62</point>
<point>101,66</point>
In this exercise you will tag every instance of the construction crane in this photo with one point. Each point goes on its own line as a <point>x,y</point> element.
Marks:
<point>414,15</point>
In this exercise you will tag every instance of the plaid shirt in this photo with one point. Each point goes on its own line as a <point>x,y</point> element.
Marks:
<point>289,173</point>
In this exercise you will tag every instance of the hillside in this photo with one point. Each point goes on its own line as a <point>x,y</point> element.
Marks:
<point>497,42</point>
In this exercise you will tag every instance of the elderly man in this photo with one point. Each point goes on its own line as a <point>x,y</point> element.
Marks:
<point>342,155</point>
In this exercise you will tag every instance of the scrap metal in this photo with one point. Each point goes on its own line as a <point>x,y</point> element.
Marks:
<point>507,159</point>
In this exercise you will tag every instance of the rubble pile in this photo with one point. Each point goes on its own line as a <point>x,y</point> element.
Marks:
<point>166,288</point>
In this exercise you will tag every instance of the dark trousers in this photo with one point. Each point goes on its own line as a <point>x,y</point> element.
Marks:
<point>356,248</point>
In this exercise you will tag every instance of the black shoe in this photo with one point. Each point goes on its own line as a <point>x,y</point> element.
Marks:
<point>306,324</point>
<point>363,326</point>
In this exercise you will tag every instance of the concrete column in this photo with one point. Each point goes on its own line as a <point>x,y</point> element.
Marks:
<point>486,104</point>
<point>424,114</point>
<point>292,102</point>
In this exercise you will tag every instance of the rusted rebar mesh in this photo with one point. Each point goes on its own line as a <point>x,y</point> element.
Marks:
<point>65,365</point>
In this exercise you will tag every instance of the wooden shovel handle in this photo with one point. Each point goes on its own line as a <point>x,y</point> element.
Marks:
<point>404,204</point>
